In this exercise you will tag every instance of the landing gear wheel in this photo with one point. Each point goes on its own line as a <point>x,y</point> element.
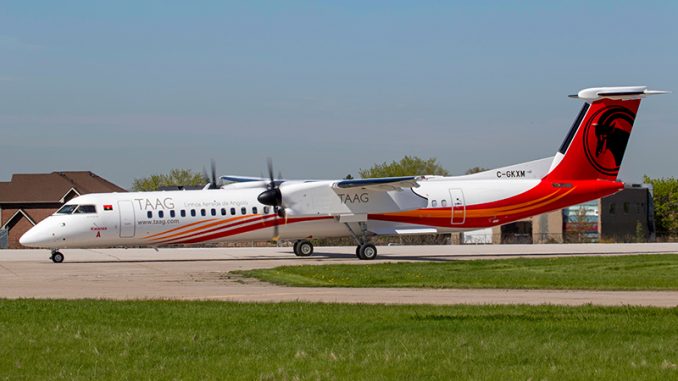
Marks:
<point>296,248</point>
<point>367,251</point>
<point>304,249</point>
<point>357,252</point>
<point>57,257</point>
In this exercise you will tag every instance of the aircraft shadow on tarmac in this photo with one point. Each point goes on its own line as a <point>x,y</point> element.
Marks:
<point>319,256</point>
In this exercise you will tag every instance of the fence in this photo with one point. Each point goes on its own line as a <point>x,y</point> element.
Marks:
<point>4,239</point>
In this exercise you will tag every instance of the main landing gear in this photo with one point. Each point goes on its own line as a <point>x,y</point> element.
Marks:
<point>303,248</point>
<point>56,256</point>
<point>365,249</point>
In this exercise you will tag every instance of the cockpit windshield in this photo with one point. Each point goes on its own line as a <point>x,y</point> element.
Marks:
<point>85,209</point>
<point>77,209</point>
<point>67,209</point>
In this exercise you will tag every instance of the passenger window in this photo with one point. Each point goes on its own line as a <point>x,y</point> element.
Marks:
<point>267,210</point>
<point>183,213</point>
<point>243,210</point>
<point>202,212</point>
<point>86,209</point>
<point>443,203</point>
<point>67,209</point>
<point>161,214</point>
<point>254,210</point>
<point>434,203</point>
<point>192,212</point>
<point>172,214</point>
<point>213,212</point>
<point>149,214</point>
<point>223,211</point>
<point>232,211</point>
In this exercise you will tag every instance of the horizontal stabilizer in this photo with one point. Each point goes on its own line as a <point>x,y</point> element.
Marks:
<point>621,93</point>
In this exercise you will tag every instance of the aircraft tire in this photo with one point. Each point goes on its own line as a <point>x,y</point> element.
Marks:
<point>357,252</point>
<point>304,249</point>
<point>57,257</point>
<point>296,248</point>
<point>367,252</point>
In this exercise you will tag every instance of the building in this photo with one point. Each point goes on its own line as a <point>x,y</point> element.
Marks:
<point>29,198</point>
<point>627,216</point>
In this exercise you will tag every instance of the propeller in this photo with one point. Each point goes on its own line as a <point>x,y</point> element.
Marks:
<point>273,197</point>
<point>211,180</point>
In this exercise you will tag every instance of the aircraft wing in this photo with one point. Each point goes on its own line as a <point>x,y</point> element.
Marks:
<point>241,179</point>
<point>380,184</point>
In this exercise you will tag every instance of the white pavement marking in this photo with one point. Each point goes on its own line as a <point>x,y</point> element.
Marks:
<point>202,274</point>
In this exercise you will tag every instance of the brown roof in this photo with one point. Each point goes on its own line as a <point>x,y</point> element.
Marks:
<point>52,187</point>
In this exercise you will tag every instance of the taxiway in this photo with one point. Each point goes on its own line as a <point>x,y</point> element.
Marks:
<point>203,274</point>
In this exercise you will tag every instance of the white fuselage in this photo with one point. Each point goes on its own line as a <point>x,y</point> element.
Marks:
<point>190,217</point>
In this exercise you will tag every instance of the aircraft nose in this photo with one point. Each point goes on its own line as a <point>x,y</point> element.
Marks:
<point>29,238</point>
<point>37,236</point>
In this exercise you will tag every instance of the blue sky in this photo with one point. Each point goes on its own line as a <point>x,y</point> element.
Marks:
<point>130,88</point>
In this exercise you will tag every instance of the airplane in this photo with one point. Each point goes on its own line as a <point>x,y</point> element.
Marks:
<point>251,209</point>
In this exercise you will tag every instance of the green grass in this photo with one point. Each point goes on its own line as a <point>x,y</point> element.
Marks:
<point>146,340</point>
<point>637,272</point>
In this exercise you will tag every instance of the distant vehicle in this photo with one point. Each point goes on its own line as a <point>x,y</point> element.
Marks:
<point>249,208</point>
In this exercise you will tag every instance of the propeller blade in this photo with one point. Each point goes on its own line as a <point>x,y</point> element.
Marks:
<point>271,184</point>
<point>205,176</point>
<point>216,184</point>
<point>273,197</point>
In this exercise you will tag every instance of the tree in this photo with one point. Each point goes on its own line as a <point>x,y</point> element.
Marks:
<point>407,166</point>
<point>173,178</point>
<point>665,191</point>
<point>475,170</point>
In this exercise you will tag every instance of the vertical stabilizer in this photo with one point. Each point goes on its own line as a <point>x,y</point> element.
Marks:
<point>595,146</point>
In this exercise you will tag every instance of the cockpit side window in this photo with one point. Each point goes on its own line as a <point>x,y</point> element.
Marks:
<point>67,209</point>
<point>86,209</point>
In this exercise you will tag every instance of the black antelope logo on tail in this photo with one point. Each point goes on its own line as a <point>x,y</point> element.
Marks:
<point>605,138</point>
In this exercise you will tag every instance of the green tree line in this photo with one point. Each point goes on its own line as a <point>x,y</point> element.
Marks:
<point>665,205</point>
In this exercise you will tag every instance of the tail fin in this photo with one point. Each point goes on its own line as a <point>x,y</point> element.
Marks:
<point>595,146</point>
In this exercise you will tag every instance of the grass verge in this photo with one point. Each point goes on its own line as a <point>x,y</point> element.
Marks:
<point>635,272</point>
<point>213,340</point>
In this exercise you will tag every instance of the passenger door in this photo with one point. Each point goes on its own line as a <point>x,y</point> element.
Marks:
<point>458,206</point>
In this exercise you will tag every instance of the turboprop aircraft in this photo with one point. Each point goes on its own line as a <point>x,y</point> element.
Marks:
<point>248,208</point>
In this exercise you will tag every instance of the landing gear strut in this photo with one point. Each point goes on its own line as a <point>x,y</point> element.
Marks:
<point>56,256</point>
<point>365,250</point>
<point>303,248</point>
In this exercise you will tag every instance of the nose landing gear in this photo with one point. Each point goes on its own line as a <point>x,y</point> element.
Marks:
<point>56,256</point>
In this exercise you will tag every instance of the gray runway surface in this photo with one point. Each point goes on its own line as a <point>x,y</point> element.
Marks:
<point>203,274</point>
